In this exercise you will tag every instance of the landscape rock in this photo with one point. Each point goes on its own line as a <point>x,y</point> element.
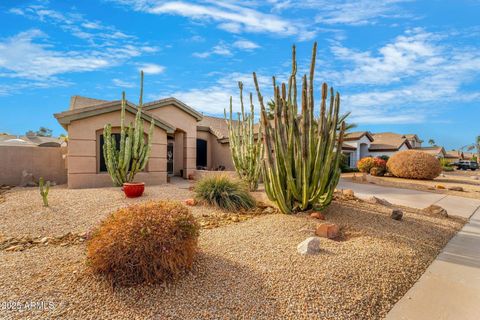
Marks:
<point>348,193</point>
<point>375,200</point>
<point>190,202</point>
<point>317,215</point>
<point>268,210</point>
<point>440,186</point>
<point>327,230</point>
<point>397,214</point>
<point>309,246</point>
<point>476,178</point>
<point>456,189</point>
<point>28,180</point>
<point>435,210</point>
<point>18,247</point>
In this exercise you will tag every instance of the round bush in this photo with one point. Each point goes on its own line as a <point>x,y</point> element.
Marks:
<point>414,164</point>
<point>148,242</point>
<point>223,192</point>
<point>365,164</point>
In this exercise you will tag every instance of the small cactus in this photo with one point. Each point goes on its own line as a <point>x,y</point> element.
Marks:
<point>44,188</point>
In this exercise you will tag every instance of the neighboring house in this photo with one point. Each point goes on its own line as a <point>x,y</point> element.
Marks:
<point>363,144</point>
<point>455,155</point>
<point>356,146</point>
<point>31,140</point>
<point>436,151</point>
<point>183,140</point>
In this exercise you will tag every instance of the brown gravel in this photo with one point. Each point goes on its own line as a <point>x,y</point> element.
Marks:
<point>77,210</point>
<point>247,270</point>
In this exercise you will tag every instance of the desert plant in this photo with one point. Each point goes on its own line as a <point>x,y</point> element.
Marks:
<point>224,192</point>
<point>365,164</point>
<point>384,157</point>
<point>414,164</point>
<point>132,155</point>
<point>247,151</point>
<point>147,242</point>
<point>44,189</point>
<point>303,153</point>
<point>377,171</point>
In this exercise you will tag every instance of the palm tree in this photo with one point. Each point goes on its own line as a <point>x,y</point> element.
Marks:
<point>477,142</point>
<point>431,142</point>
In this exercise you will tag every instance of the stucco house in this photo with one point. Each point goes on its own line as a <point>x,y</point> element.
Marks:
<point>183,140</point>
<point>363,144</point>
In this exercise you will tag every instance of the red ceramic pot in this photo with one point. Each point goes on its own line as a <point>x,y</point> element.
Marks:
<point>134,189</point>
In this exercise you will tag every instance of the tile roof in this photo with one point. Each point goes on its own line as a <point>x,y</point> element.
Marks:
<point>356,135</point>
<point>388,141</point>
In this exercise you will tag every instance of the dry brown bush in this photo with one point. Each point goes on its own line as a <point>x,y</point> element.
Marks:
<point>148,242</point>
<point>414,164</point>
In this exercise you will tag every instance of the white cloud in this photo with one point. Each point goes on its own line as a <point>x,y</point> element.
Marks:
<point>359,12</point>
<point>245,44</point>
<point>215,98</point>
<point>402,80</point>
<point>345,12</point>
<point>151,68</point>
<point>122,84</point>
<point>220,49</point>
<point>231,17</point>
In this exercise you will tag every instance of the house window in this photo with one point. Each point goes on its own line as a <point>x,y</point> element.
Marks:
<point>102,166</point>
<point>201,153</point>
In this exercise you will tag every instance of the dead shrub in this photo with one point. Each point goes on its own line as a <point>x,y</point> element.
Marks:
<point>414,164</point>
<point>144,243</point>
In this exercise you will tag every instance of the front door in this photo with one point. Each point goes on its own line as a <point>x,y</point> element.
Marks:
<point>170,158</point>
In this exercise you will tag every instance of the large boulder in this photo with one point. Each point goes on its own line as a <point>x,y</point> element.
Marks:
<point>414,164</point>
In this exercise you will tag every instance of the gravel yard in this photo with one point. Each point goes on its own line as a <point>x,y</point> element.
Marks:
<point>249,269</point>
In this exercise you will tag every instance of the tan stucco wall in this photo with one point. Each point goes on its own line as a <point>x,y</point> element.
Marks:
<point>46,162</point>
<point>210,138</point>
<point>222,156</point>
<point>83,152</point>
<point>188,125</point>
<point>218,154</point>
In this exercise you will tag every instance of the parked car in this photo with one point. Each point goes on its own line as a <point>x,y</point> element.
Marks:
<point>466,164</point>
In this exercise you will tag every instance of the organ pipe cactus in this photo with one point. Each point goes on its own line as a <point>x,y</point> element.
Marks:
<point>301,169</point>
<point>44,189</point>
<point>247,150</point>
<point>131,156</point>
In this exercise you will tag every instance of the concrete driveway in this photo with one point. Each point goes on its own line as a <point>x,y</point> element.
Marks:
<point>455,206</point>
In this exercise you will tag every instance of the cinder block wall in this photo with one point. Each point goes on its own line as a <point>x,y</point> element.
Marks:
<point>46,162</point>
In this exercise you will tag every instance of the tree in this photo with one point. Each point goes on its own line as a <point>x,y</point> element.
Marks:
<point>41,132</point>
<point>431,142</point>
<point>477,143</point>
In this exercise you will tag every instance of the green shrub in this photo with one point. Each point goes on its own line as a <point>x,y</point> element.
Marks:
<point>384,157</point>
<point>414,164</point>
<point>223,192</point>
<point>377,171</point>
<point>448,169</point>
<point>148,242</point>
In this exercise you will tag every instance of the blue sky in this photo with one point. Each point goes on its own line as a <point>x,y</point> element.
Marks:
<point>402,66</point>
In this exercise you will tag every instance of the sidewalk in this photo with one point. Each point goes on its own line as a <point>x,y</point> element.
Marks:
<point>450,287</point>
